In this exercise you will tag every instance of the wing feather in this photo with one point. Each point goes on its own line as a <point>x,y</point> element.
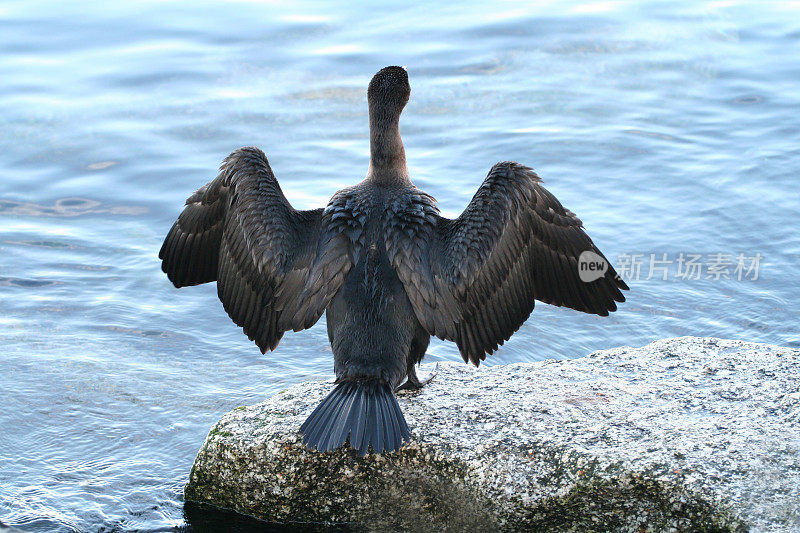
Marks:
<point>240,231</point>
<point>474,280</point>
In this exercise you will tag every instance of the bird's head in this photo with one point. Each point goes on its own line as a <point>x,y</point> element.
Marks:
<point>389,90</point>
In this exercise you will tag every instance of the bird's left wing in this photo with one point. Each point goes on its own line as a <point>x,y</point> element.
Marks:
<point>473,280</point>
<point>276,267</point>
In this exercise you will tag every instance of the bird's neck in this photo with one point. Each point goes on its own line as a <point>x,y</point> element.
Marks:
<point>387,158</point>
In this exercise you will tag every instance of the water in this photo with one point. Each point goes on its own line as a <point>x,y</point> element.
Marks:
<point>668,130</point>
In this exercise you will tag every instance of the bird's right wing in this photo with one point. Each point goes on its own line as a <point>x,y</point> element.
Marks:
<point>473,280</point>
<point>276,268</point>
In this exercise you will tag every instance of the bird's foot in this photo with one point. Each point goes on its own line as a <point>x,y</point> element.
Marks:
<point>413,383</point>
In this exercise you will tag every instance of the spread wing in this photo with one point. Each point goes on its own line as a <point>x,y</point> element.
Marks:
<point>276,268</point>
<point>473,280</point>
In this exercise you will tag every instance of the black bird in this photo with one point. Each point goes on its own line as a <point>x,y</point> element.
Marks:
<point>387,268</point>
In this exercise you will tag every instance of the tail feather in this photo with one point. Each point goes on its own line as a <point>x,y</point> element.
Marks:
<point>392,425</point>
<point>357,433</point>
<point>365,412</point>
<point>324,413</point>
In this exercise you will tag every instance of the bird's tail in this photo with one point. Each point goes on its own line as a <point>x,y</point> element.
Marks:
<point>365,411</point>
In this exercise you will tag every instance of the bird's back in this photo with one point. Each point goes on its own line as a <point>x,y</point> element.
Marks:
<point>371,323</point>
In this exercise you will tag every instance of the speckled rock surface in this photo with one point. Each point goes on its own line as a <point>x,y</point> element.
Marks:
<point>688,433</point>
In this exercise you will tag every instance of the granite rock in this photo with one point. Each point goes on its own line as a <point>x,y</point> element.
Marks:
<point>681,434</point>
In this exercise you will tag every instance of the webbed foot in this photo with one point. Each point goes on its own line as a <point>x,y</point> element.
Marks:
<point>413,383</point>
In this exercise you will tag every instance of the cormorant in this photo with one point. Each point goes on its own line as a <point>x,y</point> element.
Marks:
<point>387,268</point>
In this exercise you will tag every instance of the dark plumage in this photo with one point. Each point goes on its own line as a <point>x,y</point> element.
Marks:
<point>389,270</point>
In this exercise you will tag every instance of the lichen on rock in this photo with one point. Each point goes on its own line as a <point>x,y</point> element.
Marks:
<point>682,434</point>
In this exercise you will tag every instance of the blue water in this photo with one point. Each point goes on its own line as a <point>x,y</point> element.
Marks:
<point>668,130</point>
